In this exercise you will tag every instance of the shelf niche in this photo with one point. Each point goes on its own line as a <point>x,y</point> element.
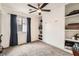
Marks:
<point>73,12</point>
<point>73,26</point>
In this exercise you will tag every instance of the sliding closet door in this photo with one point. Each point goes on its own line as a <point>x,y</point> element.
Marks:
<point>28,30</point>
<point>13,35</point>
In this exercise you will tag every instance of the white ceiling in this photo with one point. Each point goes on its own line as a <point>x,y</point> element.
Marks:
<point>21,7</point>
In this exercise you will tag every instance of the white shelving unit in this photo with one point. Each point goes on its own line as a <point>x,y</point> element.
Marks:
<point>73,40</point>
<point>69,48</point>
<point>76,15</point>
<point>71,30</point>
<point>68,18</point>
<point>69,42</point>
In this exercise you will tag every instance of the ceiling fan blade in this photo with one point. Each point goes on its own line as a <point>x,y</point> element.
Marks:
<point>38,5</point>
<point>33,11</point>
<point>46,10</point>
<point>43,5</point>
<point>32,6</point>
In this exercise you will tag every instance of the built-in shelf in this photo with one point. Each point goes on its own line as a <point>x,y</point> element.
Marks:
<point>73,40</point>
<point>69,48</point>
<point>71,30</point>
<point>70,42</point>
<point>72,16</point>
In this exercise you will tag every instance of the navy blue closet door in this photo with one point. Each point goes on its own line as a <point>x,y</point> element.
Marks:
<point>13,35</point>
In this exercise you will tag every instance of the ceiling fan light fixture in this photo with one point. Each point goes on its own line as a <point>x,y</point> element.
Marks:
<point>39,11</point>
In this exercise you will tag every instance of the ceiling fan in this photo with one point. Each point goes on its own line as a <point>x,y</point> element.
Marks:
<point>39,9</point>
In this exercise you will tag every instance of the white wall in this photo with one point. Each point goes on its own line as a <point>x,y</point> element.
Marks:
<point>34,28</point>
<point>0,18</point>
<point>5,29</point>
<point>0,22</point>
<point>54,25</point>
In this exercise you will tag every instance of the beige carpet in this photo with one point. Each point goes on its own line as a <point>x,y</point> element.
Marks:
<point>37,48</point>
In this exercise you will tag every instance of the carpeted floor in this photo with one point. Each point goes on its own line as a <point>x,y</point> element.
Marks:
<point>37,48</point>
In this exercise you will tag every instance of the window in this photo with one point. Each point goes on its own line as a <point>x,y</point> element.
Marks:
<point>19,23</point>
<point>24,29</point>
<point>22,24</point>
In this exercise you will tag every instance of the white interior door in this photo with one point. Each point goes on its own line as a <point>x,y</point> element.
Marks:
<point>22,30</point>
